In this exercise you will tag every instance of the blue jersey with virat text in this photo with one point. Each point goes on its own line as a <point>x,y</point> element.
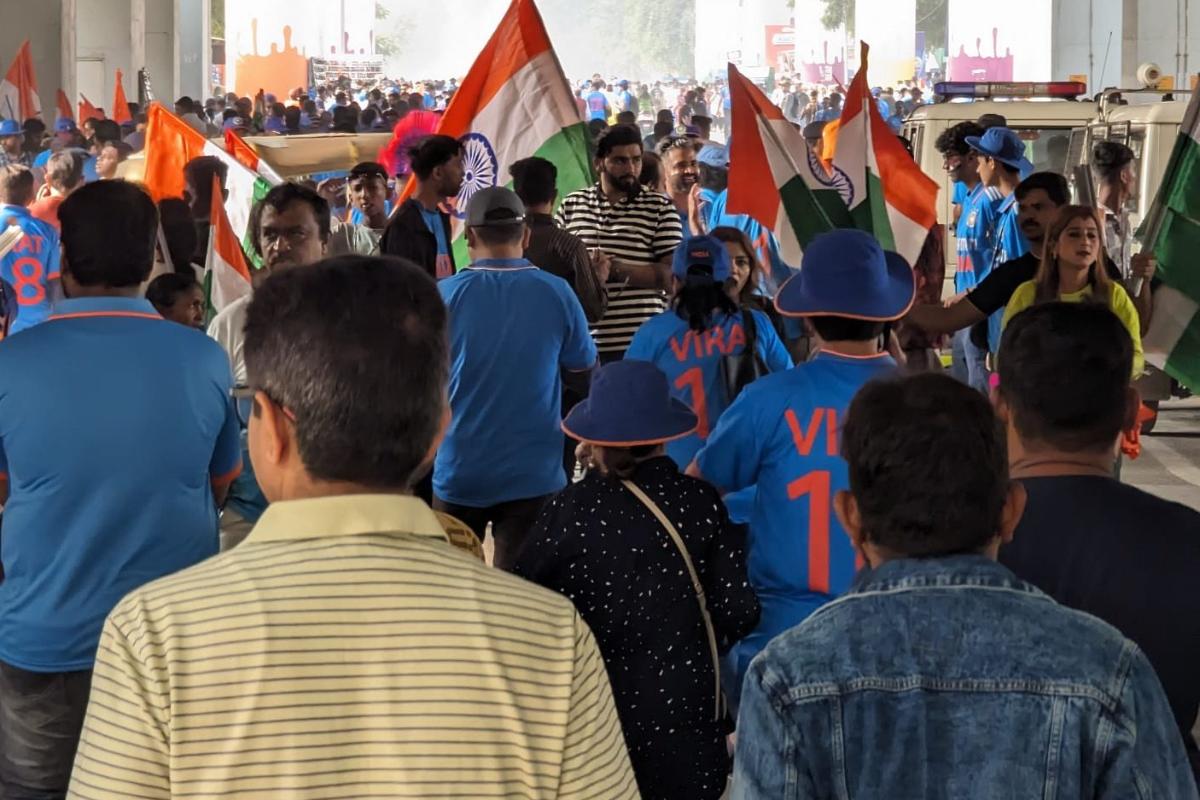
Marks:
<point>692,363</point>
<point>782,434</point>
<point>976,236</point>
<point>31,267</point>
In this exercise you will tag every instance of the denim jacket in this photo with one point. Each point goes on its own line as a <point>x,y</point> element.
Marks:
<point>951,678</point>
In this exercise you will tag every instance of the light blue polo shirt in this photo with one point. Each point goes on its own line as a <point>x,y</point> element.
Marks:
<point>783,435</point>
<point>113,422</point>
<point>32,267</point>
<point>692,363</point>
<point>513,327</point>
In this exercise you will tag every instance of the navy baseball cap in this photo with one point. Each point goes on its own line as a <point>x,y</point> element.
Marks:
<point>846,273</point>
<point>703,257</point>
<point>1004,145</point>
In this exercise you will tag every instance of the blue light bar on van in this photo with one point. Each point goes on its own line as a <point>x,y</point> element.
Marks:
<point>981,91</point>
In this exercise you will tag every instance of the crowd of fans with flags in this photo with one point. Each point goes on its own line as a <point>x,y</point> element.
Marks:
<point>635,479</point>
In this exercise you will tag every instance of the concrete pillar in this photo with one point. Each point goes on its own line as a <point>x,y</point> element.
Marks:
<point>1129,42</point>
<point>193,48</point>
<point>67,59</point>
<point>137,36</point>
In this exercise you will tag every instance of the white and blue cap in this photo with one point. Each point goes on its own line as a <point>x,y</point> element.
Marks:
<point>714,155</point>
<point>702,258</point>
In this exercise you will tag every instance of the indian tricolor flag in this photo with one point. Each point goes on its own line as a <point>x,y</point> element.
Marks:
<point>171,143</point>
<point>226,276</point>
<point>775,178</point>
<point>890,196</point>
<point>18,91</point>
<point>515,103</point>
<point>1172,231</point>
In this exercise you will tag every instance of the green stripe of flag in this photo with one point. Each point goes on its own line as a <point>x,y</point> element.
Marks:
<point>871,214</point>
<point>1183,362</point>
<point>1178,246</point>
<point>261,187</point>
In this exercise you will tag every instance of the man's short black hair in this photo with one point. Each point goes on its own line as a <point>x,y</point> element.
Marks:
<point>714,178</point>
<point>1064,375</point>
<point>16,185</point>
<point>845,329</point>
<point>367,169</point>
<point>617,136</point>
<point>431,152</point>
<point>164,290</point>
<point>953,140</point>
<point>1054,185</point>
<point>928,465</point>
<point>355,348</point>
<point>179,229</point>
<point>535,180</point>
<point>105,130</point>
<point>626,118</point>
<point>282,196</point>
<point>109,230</point>
<point>1109,158</point>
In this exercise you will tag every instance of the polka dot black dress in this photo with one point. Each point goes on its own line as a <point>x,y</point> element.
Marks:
<point>599,545</point>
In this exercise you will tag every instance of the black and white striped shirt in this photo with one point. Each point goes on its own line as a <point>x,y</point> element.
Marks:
<point>643,230</point>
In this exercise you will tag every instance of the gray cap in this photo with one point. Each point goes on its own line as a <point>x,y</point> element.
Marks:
<point>493,206</point>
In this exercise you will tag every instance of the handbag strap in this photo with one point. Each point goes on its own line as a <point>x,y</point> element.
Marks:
<point>750,328</point>
<point>653,508</point>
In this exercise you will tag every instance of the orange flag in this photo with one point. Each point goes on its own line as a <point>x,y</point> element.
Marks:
<point>87,110</point>
<point>170,144</point>
<point>64,106</point>
<point>18,91</point>
<point>120,112</point>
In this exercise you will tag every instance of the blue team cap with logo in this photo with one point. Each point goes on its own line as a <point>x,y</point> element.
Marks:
<point>846,273</point>
<point>1004,145</point>
<point>10,127</point>
<point>702,258</point>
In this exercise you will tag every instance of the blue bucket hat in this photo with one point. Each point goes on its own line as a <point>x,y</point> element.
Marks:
<point>10,127</point>
<point>1004,145</point>
<point>629,404</point>
<point>702,257</point>
<point>845,273</point>
<point>714,155</point>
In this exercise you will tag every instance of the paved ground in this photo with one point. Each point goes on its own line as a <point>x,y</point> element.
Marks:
<point>1170,462</point>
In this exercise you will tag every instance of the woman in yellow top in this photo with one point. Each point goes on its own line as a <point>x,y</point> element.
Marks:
<point>1073,271</point>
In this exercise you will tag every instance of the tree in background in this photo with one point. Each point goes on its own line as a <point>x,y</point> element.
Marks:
<point>390,35</point>
<point>931,18</point>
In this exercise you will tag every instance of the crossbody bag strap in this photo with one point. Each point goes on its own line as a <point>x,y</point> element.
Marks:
<point>670,528</point>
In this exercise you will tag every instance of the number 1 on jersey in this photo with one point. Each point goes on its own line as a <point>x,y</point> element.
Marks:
<point>693,381</point>
<point>817,485</point>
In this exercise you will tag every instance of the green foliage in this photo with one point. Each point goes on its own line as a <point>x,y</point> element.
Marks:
<point>217,19</point>
<point>662,34</point>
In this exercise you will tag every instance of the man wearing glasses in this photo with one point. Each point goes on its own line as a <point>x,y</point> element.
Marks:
<point>633,230</point>
<point>291,229</point>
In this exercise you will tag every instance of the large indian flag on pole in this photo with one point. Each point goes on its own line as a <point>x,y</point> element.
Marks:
<point>226,276</point>
<point>1172,232</point>
<point>171,143</point>
<point>515,103</point>
<point>775,178</point>
<point>890,197</point>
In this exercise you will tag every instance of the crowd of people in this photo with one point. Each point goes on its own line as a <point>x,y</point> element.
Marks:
<point>741,535</point>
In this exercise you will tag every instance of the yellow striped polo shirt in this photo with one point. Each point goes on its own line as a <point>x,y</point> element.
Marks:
<point>347,650</point>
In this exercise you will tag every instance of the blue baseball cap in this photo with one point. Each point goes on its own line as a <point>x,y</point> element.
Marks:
<point>629,404</point>
<point>233,123</point>
<point>10,127</point>
<point>64,125</point>
<point>1004,145</point>
<point>714,155</point>
<point>846,273</point>
<point>702,257</point>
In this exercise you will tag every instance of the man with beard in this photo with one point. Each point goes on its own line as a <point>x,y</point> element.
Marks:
<point>420,228</point>
<point>683,176</point>
<point>636,230</point>
<point>291,229</point>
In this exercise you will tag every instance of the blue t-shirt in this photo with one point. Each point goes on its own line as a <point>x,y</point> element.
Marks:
<point>597,105</point>
<point>433,221</point>
<point>960,193</point>
<point>692,363</point>
<point>113,422</point>
<point>976,234</point>
<point>513,327</point>
<point>1010,244</point>
<point>43,158</point>
<point>782,434</point>
<point>89,170</point>
<point>32,267</point>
